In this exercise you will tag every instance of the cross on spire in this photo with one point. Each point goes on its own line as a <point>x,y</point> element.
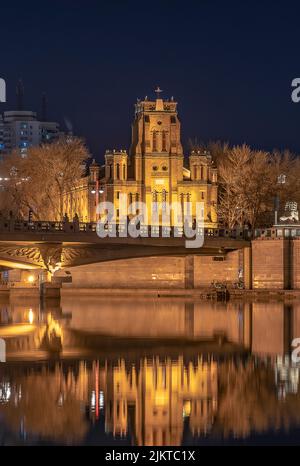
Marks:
<point>158,91</point>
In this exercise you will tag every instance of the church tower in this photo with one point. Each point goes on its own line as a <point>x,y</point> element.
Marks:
<point>156,150</point>
<point>154,173</point>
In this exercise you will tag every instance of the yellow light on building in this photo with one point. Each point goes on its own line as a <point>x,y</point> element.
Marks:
<point>30,316</point>
<point>30,279</point>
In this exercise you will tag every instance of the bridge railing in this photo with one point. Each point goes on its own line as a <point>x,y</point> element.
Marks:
<point>44,226</point>
<point>18,226</point>
<point>278,232</point>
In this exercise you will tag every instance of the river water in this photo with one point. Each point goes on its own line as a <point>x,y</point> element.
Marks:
<point>121,371</point>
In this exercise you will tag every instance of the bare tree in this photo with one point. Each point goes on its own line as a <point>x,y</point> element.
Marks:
<point>38,181</point>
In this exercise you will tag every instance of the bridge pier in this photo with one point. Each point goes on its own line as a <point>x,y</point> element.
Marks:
<point>189,272</point>
<point>247,268</point>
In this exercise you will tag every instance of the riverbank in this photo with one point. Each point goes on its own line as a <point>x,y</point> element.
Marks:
<point>56,291</point>
<point>202,293</point>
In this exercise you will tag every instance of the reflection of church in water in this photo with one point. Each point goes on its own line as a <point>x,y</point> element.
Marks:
<point>156,398</point>
<point>161,400</point>
<point>151,400</point>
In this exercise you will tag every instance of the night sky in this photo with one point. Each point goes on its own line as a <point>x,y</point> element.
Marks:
<point>228,64</point>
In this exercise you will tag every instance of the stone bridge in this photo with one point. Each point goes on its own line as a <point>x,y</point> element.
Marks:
<point>56,245</point>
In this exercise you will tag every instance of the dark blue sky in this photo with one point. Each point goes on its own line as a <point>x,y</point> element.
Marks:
<point>229,64</point>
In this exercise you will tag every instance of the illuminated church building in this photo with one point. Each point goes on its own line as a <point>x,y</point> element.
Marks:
<point>153,171</point>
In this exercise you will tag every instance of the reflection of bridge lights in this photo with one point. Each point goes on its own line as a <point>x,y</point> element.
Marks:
<point>60,400</point>
<point>5,393</point>
<point>30,316</point>
<point>93,400</point>
<point>101,400</point>
<point>287,375</point>
<point>186,409</point>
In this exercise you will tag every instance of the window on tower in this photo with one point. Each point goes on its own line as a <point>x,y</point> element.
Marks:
<point>195,172</point>
<point>154,144</point>
<point>164,141</point>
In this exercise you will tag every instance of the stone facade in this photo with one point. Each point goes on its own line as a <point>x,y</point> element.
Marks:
<point>207,269</point>
<point>147,272</point>
<point>268,264</point>
<point>154,171</point>
<point>162,272</point>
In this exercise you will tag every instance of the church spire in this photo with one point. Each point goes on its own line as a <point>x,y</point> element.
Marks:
<point>158,91</point>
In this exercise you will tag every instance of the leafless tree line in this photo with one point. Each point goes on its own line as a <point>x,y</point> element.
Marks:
<point>248,183</point>
<point>37,182</point>
<point>247,178</point>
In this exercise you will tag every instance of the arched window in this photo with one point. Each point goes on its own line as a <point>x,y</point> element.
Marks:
<point>154,201</point>
<point>117,171</point>
<point>109,171</point>
<point>154,144</point>
<point>201,173</point>
<point>188,200</point>
<point>164,199</point>
<point>182,203</point>
<point>124,172</point>
<point>195,172</point>
<point>164,141</point>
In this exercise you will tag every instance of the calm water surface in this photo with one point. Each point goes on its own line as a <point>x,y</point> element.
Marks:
<point>149,372</point>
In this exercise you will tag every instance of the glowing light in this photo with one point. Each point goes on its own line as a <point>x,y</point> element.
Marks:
<point>30,279</point>
<point>101,400</point>
<point>30,316</point>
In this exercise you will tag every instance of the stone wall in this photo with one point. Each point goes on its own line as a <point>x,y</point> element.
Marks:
<point>295,264</point>
<point>145,272</point>
<point>156,272</point>
<point>270,264</point>
<point>207,269</point>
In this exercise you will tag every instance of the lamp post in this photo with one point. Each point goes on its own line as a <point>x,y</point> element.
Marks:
<point>280,181</point>
<point>96,191</point>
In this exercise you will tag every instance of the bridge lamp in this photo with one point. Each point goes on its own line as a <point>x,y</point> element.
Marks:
<point>30,279</point>
<point>30,316</point>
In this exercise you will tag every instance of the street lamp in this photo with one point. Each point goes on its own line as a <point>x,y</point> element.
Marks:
<point>281,179</point>
<point>97,190</point>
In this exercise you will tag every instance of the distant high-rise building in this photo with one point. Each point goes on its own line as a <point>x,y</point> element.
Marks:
<point>1,135</point>
<point>21,129</point>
